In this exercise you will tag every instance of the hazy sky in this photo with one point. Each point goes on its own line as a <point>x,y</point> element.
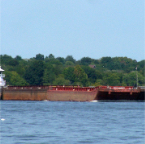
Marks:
<point>81,28</point>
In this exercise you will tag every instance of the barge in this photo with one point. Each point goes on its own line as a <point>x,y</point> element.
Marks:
<point>73,93</point>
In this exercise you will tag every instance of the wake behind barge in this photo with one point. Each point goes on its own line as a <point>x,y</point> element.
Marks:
<point>73,93</point>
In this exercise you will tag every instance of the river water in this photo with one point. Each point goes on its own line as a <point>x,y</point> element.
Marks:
<point>44,122</point>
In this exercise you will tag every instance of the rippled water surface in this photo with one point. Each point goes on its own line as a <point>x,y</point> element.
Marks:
<point>44,122</point>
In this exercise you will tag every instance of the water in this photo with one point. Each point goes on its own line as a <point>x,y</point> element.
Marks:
<point>44,122</point>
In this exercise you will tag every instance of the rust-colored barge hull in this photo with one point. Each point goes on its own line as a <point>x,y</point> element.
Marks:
<point>120,93</point>
<point>58,93</point>
<point>24,94</point>
<point>70,93</point>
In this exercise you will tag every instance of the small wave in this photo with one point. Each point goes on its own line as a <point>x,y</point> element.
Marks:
<point>2,119</point>
<point>94,101</point>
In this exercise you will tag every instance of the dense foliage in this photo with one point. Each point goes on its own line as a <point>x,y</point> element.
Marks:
<point>40,70</point>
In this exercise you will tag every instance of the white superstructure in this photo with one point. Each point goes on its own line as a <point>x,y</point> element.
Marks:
<point>2,81</point>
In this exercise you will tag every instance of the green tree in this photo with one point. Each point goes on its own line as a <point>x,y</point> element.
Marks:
<point>39,57</point>
<point>5,59</point>
<point>111,79</point>
<point>34,73</point>
<point>18,58</point>
<point>92,74</point>
<point>105,60</point>
<point>51,56</point>
<point>86,61</point>
<point>13,78</point>
<point>80,75</point>
<point>20,69</point>
<point>69,74</point>
<point>131,79</point>
<point>61,81</point>
<point>61,59</point>
<point>69,63</point>
<point>70,58</point>
<point>98,82</point>
<point>7,77</point>
<point>13,62</point>
<point>141,67</point>
<point>49,75</point>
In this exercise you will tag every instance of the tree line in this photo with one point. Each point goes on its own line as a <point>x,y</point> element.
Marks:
<point>40,70</point>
